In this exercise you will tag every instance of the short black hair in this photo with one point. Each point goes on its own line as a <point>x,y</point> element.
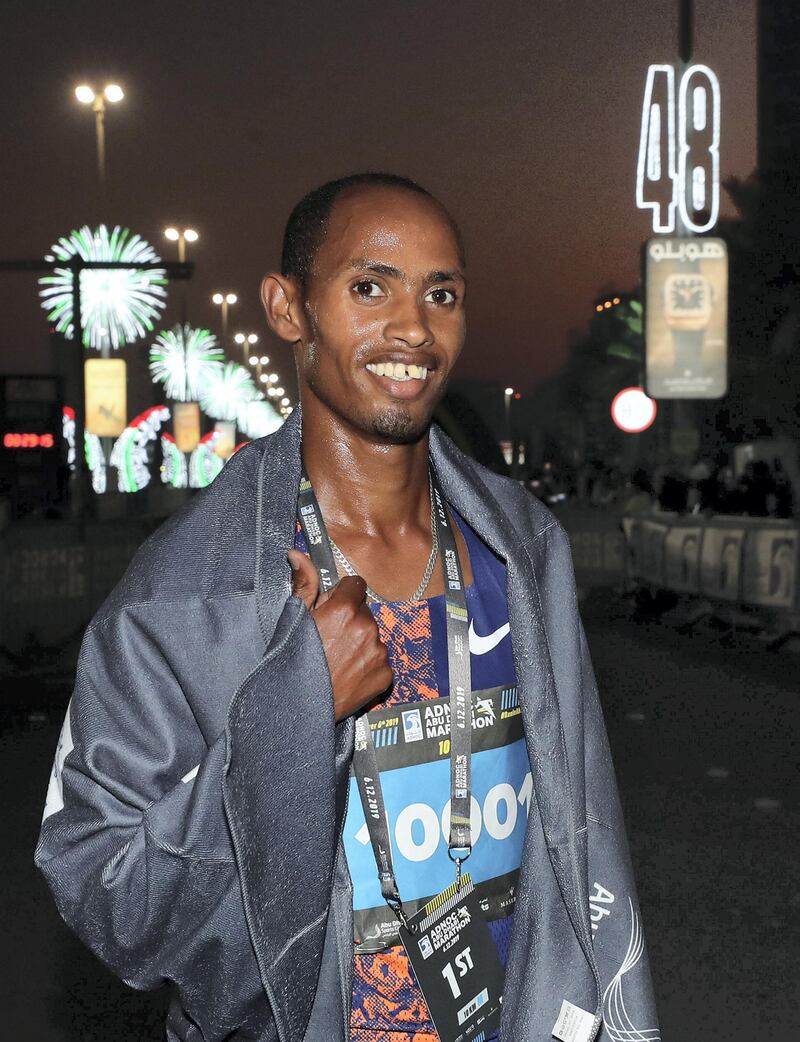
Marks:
<point>308,221</point>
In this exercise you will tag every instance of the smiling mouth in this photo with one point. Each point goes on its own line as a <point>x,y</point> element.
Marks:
<point>398,371</point>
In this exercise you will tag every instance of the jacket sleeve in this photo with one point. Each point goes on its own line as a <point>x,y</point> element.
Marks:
<point>629,1010</point>
<point>135,843</point>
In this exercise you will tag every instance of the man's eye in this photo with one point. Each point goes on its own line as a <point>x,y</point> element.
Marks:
<point>441,296</point>
<point>368,288</point>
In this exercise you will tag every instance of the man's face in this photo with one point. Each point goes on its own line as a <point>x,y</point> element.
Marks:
<point>384,310</point>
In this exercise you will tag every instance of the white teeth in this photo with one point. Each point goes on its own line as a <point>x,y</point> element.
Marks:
<point>398,371</point>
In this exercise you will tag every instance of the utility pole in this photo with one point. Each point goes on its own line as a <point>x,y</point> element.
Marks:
<point>685,31</point>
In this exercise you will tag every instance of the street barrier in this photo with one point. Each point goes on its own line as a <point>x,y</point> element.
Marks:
<point>597,544</point>
<point>744,560</point>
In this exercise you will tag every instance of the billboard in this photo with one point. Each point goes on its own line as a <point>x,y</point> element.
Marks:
<point>186,420</point>
<point>686,318</point>
<point>106,396</point>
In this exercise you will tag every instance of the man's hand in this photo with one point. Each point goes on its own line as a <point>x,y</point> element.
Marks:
<point>357,661</point>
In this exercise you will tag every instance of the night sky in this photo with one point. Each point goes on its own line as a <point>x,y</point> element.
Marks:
<point>522,116</point>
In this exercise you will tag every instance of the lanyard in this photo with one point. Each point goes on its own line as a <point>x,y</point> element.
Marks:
<point>365,763</point>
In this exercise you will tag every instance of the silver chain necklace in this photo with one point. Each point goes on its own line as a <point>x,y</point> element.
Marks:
<point>426,577</point>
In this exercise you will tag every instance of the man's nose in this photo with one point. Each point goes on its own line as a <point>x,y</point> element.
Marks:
<point>409,323</point>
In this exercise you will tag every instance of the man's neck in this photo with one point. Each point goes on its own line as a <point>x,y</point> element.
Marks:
<point>375,486</point>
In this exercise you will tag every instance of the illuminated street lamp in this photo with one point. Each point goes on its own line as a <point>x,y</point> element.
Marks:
<point>224,301</point>
<point>87,95</point>
<point>508,394</point>
<point>181,236</point>
<point>245,340</point>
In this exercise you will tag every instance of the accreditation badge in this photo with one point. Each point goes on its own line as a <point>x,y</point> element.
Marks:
<point>456,965</point>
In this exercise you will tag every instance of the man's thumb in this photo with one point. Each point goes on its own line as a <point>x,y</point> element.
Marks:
<point>305,579</point>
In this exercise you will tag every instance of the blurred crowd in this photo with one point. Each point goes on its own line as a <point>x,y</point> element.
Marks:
<point>761,489</point>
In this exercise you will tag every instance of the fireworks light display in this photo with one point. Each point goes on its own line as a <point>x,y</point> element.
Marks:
<point>257,419</point>
<point>130,455</point>
<point>184,360</point>
<point>226,392</point>
<point>118,306</point>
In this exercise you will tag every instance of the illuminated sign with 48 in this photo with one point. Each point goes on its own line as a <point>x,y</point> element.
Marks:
<point>678,168</point>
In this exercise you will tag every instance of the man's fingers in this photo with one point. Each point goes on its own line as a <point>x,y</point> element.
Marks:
<point>305,578</point>
<point>351,588</point>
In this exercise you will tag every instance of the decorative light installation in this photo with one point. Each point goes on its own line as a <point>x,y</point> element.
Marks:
<point>204,463</point>
<point>174,470</point>
<point>118,305</point>
<point>129,454</point>
<point>257,419</point>
<point>680,171</point>
<point>226,391</point>
<point>183,359</point>
<point>95,457</point>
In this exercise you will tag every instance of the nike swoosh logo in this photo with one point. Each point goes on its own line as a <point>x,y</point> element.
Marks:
<point>483,645</point>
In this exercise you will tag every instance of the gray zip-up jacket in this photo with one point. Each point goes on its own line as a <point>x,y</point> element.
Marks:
<point>193,821</point>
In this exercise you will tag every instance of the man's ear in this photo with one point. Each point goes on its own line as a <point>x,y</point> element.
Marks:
<point>283,307</point>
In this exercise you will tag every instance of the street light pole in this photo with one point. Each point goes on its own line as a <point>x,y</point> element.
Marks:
<point>100,130</point>
<point>181,237</point>
<point>87,95</point>
<point>223,301</point>
<point>245,341</point>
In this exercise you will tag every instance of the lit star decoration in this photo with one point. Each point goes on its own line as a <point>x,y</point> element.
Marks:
<point>184,359</point>
<point>226,391</point>
<point>118,306</point>
<point>95,457</point>
<point>129,454</point>
<point>204,463</point>
<point>174,470</point>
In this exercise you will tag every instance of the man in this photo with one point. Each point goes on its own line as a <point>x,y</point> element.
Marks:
<point>203,825</point>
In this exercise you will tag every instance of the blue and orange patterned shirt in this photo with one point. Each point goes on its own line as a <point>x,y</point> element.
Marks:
<point>411,730</point>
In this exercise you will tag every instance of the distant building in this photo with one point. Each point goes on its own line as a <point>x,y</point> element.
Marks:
<point>779,130</point>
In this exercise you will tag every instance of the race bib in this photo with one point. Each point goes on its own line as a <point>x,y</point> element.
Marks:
<point>412,743</point>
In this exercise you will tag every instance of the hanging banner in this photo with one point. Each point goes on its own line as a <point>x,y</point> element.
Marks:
<point>186,421</point>
<point>226,438</point>
<point>686,321</point>
<point>106,383</point>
